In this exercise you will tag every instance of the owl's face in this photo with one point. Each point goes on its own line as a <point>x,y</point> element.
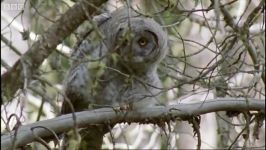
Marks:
<point>137,46</point>
<point>140,42</point>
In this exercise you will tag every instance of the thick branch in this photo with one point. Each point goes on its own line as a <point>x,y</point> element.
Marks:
<point>24,68</point>
<point>108,115</point>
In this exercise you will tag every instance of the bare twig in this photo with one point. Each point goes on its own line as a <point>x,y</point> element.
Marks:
<point>9,44</point>
<point>243,33</point>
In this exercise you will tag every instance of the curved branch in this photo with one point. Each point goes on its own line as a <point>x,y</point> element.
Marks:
<point>27,65</point>
<point>148,115</point>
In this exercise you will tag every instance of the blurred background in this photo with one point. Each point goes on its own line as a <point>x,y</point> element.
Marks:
<point>207,59</point>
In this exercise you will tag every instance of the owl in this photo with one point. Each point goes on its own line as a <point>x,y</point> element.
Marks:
<point>127,57</point>
<point>120,70</point>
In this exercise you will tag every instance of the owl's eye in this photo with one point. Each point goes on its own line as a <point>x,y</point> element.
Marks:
<point>143,41</point>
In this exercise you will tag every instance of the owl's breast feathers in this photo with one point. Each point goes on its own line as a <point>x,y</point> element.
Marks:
<point>139,91</point>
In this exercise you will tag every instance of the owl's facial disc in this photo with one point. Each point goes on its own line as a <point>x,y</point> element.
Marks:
<point>137,46</point>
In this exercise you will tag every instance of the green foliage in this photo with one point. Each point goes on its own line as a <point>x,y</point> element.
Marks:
<point>74,140</point>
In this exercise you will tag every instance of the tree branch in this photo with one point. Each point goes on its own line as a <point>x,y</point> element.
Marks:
<point>154,114</point>
<point>28,64</point>
<point>243,34</point>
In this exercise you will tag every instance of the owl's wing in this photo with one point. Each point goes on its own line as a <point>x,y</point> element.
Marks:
<point>78,81</point>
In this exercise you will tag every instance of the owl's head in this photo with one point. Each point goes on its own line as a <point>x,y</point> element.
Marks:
<point>138,40</point>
